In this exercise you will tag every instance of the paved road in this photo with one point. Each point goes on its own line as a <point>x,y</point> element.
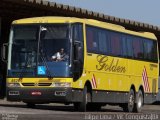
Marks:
<point>19,111</point>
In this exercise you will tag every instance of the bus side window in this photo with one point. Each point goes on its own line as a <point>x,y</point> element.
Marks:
<point>137,48</point>
<point>154,53</point>
<point>92,39</point>
<point>124,46</point>
<point>150,50</point>
<point>129,47</point>
<point>89,40</point>
<point>102,38</point>
<point>115,44</point>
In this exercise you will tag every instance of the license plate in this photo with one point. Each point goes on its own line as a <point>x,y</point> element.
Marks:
<point>36,93</point>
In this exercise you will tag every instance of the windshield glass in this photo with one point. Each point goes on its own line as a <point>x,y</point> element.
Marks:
<point>24,47</point>
<point>40,50</point>
<point>54,43</point>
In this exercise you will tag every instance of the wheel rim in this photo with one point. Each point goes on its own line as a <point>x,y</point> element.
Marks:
<point>140,101</point>
<point>86,98</point>
<point>131,101</point>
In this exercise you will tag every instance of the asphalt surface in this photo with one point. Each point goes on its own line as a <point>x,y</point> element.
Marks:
<point>19,111</point>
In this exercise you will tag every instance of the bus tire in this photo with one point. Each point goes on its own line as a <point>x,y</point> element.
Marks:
<point>82,106</point>
<point>76,106</point>
<point>94,106</point>
<point>125,108</point>
<point>131,101</point>
<point>1,89</point>
<point>30,105</point>
<point>139,102</point>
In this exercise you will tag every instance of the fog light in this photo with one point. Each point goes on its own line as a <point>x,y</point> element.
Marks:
<point>60,93</point>
<point>13,85</point>
<point>13,92</point>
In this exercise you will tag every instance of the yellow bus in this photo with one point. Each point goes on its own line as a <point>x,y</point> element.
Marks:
<point>83,62</point>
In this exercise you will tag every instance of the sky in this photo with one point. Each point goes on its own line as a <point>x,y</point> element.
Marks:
<point>147,11</point>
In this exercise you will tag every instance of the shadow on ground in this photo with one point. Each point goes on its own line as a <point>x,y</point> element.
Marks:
<point>65,108</point>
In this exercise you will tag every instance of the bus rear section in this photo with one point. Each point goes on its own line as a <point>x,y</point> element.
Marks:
<point>123,66</point>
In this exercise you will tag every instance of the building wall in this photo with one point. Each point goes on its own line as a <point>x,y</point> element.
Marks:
<point>4,36</point>
<point>0,28</point>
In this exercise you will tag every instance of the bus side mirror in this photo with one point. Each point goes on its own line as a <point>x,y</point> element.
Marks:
<point>4,52</point>
<point>76,62</point>
<point>77,49</point>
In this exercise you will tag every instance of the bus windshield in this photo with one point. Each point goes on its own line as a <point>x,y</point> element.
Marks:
<point>40,50</point>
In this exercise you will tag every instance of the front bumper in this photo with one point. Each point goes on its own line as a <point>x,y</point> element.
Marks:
<point>42,95</point>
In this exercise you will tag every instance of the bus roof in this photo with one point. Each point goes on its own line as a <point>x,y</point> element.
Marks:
<point>110,26</point>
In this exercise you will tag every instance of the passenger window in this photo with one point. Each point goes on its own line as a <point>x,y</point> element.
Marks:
<point>115,44</point>
<point>92,40</point>
<point>137,48</point>
<point>150,50</point>
<point>154,51</point>
<point>124,46</point>
<point>107,42</point>
<point>90,36</point>
<point>102,38</point>
<point>129,47</point>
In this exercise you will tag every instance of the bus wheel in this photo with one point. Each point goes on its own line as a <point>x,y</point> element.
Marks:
<point>82,106</point>
<point>76,106</point>
<point>124,107</point>
<point>94,106</point>
<point>131,101</point>
<point>30,105</point>
<point>139,101</point>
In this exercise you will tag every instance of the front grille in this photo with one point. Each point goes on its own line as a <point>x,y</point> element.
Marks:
<point>36,84</point>
<point>44,84</point>
<point>28,84</point>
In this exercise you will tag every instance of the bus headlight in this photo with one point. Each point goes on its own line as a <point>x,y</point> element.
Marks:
<point>61,84</point>
<point>13,85</point>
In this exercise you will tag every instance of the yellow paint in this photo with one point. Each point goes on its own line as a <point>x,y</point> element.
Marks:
<point>38,80</point>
